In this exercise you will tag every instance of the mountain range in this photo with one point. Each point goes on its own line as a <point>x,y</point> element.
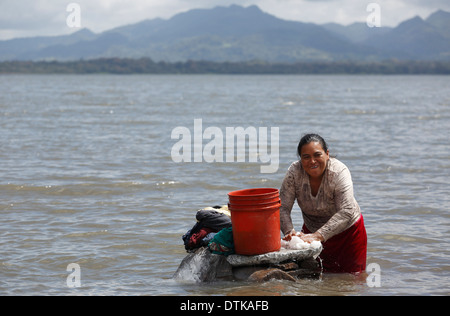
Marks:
<point>236,33</point>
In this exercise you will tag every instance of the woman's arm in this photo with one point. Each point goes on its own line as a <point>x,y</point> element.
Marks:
<point>287,196</point>
<point>347,210</point>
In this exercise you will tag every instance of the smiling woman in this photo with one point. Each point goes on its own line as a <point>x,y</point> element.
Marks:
<point>324,191</point>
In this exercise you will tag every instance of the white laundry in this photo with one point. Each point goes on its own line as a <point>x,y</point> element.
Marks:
<point>296,243</point>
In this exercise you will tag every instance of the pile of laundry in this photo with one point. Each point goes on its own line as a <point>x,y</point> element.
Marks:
<point>296,243</point>
<point>212,229</point>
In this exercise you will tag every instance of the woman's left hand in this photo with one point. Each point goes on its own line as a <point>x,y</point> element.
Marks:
<point>312,237</point>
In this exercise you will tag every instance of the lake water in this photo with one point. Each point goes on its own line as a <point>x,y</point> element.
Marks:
<point>87,176</point>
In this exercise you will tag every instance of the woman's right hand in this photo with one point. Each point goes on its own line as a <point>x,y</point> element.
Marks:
<point>289,235</point>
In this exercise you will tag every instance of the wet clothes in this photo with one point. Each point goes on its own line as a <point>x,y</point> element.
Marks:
<point>222,243</point>
<point>214,220</point>
<point>208,223</point>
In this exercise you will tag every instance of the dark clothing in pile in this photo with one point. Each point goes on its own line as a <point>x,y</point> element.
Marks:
<point>209,222</point>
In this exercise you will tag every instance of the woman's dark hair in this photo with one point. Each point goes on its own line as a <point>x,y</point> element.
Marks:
<point>309,138</point>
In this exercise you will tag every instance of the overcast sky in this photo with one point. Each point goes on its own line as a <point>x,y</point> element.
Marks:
<point>23,18</point>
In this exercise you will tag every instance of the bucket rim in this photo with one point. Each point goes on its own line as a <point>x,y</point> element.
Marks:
<point>269,192</point>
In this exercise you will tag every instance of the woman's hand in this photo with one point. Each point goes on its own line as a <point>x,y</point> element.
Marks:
<point>289,235</point>
<point>311,237</point>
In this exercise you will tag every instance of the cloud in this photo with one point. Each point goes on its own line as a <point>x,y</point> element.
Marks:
<point>31,17</point>
<point>21,18</point>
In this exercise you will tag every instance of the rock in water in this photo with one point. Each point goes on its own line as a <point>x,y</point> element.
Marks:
<point>275,257</point>
<point>286,264</point>
<point>203,266</point>
<point>270,274</point>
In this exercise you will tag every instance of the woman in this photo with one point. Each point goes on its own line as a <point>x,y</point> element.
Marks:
<point>324,191</point>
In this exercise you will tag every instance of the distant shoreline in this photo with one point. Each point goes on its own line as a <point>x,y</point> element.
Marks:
<point>147,66</point>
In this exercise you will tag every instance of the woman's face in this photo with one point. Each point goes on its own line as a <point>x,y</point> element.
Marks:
<point>314,159</point>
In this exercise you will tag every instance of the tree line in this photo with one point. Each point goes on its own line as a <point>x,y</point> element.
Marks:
<point>148,66</point>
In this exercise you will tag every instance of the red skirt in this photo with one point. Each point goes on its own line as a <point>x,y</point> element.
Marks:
<point>345,252</point>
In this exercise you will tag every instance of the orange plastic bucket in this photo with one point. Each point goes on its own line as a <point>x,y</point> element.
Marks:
<point>256,226</point>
